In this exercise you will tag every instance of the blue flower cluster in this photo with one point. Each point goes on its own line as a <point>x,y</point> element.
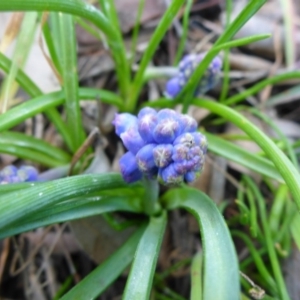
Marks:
<point>186,68</point>
<point>162,144</point>
<point>11,174</point>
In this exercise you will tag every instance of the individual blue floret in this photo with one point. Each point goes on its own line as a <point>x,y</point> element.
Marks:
<point>124,121</point>
<point>186,68</point>
<point>129,168</point>
<point>132,139</point>
<point>145,159</point>
<point>163,155</point>
<point>163,145</point>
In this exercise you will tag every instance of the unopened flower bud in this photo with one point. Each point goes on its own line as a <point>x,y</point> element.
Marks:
<point>145,159</point>
<point>146,124</point>
<point>173,87</point>
<point>123,122</point>
<point>188,123</point>
<point>129,168</point>
<point>190,177</point>
<point>163,155</point>
<point>132,140</point>
<point>146,111</point>
<point>170,175</point>
<point>165,132</point>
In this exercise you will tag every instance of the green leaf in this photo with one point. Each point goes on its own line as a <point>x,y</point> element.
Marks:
<point>122,69</point>
<point>99,279</point>
<point>241,156</point>
<point>266,277</point>
<point>140,279</point>
<point>25,82</point>
<point>260,85</point>
<point>68,51</point>
<point>221,273</point>
<point>295,229</point>
<point>287,170</point>
<point>157,36</point>
<point>22,48</point>
<point>16,205</point>
<point>42,103</point>
<point>196,282</point>
<point>72,209</point>
<point>30,87</point>
<point>23,141</point>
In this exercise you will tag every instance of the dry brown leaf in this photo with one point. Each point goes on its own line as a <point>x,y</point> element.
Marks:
<point>11,30</point>
<point>127,12</point>
<point>97,238</point>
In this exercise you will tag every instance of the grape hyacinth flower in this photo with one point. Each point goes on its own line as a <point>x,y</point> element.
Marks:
<point>162,144</point>
<point>11,174</point>
<point>186,68</point>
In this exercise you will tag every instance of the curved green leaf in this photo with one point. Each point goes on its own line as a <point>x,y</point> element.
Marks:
<point>29,154</point>
<point>19,204</point>
<point>287,170</point>
<point>140,279</point>
<point>241,156</point>
<point>24,81</point>
<point>30,87</point>
<point>221,273</point>
<point>42,103</point>
<point>99,279</point>
<point>73,209</point>
<point>28,142</point>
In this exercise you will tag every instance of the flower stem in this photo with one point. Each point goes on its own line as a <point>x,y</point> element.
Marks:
<point>151,195</point>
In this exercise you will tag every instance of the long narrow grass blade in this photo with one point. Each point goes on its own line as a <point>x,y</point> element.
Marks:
<point>28,154</point>
<point>184,34</point>
<point>42,103</point>
<point>250,9</point>
<point>27,142</point>
<point>50,42</point>
<point>287,170</point>
<point>220,260</point>
<point>123,72</point>
<point>153,44</point>
<point>260,85</point>
<point>196,277</point>
<point>99,279</point>
<point>289,16</point>
<point>140,279</point>
<point>241,156</point>
<point>30,87</point>
<point>70,78</point>
<point>21,51</point>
